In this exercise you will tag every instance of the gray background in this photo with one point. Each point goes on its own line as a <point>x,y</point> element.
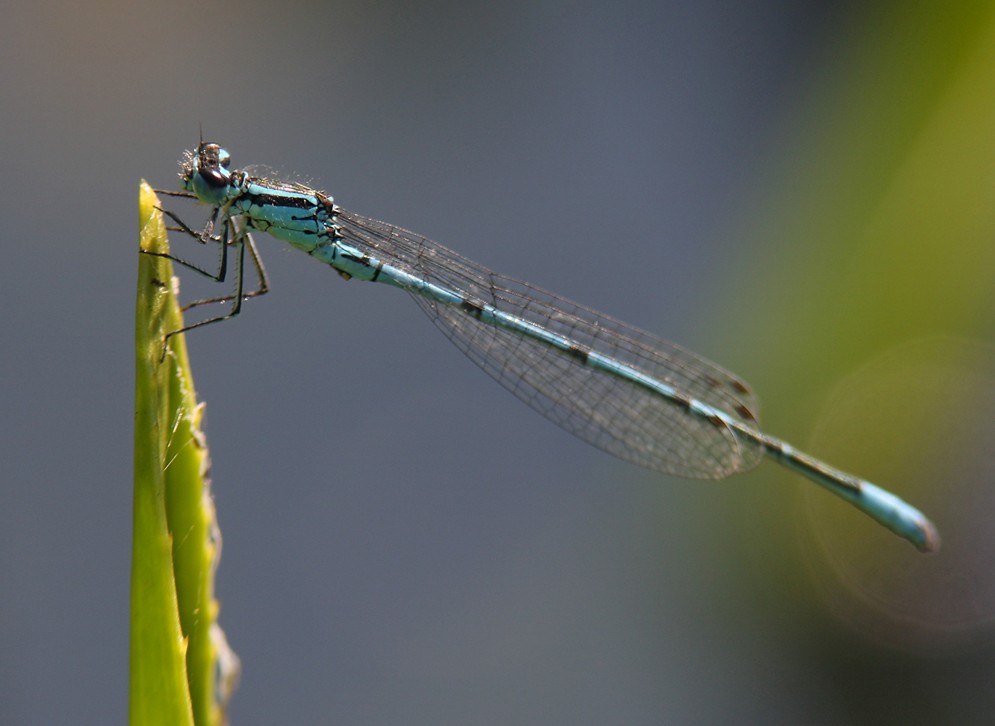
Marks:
<point>404,542</point>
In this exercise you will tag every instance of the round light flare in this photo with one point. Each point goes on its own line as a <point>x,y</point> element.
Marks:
<point>920,421</point>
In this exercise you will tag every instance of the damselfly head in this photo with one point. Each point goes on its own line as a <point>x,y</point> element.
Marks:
<point>206,173</point>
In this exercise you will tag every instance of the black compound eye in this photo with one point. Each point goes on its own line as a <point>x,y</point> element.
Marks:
<point>214,177</point>
<point>212,165</point>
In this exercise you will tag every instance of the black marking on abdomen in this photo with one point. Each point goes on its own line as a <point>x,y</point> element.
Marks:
<point>579,353</point>
<point>472,308</point>
<point>364,260</point>
<point>776,448</point>
<point>376,272</point>
<point>682,401</point>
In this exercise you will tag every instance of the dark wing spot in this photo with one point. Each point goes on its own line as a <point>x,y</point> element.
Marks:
<point>739,386</point>
<point>745,413</point>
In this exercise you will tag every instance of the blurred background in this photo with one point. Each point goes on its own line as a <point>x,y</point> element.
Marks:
<point>801,192</point>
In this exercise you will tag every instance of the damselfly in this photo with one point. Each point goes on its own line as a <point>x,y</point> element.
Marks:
<point>619,388</point>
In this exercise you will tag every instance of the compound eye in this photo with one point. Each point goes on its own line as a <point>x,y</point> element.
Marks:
<point>214,177</point>
<point>212,165</point>
<point>212,155</point>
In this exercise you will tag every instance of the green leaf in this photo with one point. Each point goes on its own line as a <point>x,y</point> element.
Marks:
<point>176,644</point>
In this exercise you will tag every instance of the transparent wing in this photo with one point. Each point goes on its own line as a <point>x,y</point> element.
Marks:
<point>616,415</point>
